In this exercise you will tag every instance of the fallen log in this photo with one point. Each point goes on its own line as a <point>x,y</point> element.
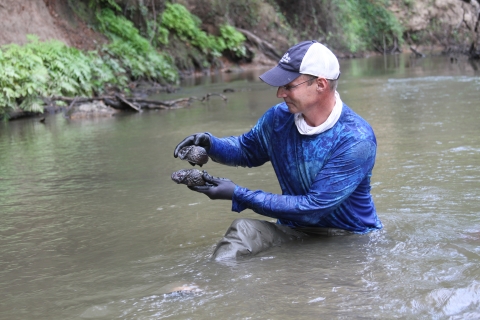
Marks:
<point>268,49</point>
<point>177,103</point>
<point>128,103</point>
<point>417,53</point>
<point>66,112</point>
<point>118,101</point>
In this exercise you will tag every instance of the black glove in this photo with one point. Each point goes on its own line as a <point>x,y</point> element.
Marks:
<point>216,188</point>
<point>197,139</point>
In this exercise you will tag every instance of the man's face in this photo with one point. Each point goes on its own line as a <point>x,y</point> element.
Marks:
<point>300,95</point>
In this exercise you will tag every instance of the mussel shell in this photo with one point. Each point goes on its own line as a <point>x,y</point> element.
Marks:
<point>189,177</point>
<point>193,154</point>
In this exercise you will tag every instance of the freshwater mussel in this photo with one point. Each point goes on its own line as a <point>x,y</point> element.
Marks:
<point>189,177</point>
<point>194,155</point>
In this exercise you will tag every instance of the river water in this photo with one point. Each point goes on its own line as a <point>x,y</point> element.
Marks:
<point>92,227</point>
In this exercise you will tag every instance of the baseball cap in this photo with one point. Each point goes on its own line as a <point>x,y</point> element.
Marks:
<point>307,57</point>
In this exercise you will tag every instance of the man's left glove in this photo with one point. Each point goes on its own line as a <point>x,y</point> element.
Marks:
<point>216,188</point>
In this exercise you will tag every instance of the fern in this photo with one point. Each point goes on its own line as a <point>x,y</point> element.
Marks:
<point>133,52</point>
<point>43,69</point>
<point>232,40</point>
<point>22,77</point>
<point>178,20</point>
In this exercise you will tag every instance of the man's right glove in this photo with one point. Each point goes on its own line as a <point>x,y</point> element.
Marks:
<point>216,188</point>
<point>197,139</point>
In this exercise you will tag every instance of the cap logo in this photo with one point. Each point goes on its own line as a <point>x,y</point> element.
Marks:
<point>286,58</point>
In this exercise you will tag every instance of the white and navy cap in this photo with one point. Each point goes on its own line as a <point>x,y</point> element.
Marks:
<point>307,57</point>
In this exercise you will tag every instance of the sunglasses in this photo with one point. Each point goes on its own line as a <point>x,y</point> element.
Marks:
<point>289,87</point>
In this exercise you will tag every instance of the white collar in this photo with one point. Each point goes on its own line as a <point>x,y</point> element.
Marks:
<point>305,129</point>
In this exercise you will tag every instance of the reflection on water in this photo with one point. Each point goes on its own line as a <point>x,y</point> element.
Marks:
<point>94,228</point>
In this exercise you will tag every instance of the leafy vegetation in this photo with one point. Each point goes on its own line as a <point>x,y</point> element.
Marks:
<point>383,30</point>
<point>43,69</point>
<point>132,51</point>
<point>368,25</point>
<point>141,36</point>
<point>349,25</point>
<point>177,19</point>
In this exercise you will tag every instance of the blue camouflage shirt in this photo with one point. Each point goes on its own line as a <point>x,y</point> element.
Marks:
<point>325,178</point>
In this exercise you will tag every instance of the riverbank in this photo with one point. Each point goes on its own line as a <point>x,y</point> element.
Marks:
<point>96,48</point>
<point>136,97</point>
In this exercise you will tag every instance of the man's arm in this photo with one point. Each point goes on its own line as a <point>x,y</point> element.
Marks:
<point>247,150</point>
<point>337,180</point>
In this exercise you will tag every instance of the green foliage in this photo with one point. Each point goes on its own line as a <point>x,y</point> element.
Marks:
<point>120,28</point>
<point>136,51</point>
<point>132,51</point>
<point>178,20</point>
<point>232,40</point>
<point>367,25</point>
<point>353,26</point>
<point>347,25</point>
<point>162,35</point>
<point>43,69</point>
<point>382,26</point>
<point>112,4</point>
<point>36,70</point>
<point>186,26</point>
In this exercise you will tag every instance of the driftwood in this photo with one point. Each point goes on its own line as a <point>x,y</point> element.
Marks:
<point>118,101</point>
<point>128,103</point>
<point>66,112</point>
<point>268,49</point>
<point>417,53</point>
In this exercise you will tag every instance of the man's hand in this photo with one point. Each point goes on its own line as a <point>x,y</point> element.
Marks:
<point>197,139</point>
<point>216,188</point>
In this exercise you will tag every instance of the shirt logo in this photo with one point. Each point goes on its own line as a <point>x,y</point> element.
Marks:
<point>286,58</point>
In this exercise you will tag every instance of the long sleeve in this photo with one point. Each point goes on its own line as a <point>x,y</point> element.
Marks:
<point>327,202</point>
<point>325,178</point>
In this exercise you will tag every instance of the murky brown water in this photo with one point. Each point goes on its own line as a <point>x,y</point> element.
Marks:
<point>93,227</point>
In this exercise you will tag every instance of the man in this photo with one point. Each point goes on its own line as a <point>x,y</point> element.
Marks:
<point>322,152</point>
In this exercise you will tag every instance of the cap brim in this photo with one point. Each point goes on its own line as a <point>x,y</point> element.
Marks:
<point>278,76</point>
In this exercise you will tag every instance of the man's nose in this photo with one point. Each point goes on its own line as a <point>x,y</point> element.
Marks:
<point>281,92</point>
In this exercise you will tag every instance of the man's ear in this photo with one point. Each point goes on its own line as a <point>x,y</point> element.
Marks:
<point>322,84</point>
